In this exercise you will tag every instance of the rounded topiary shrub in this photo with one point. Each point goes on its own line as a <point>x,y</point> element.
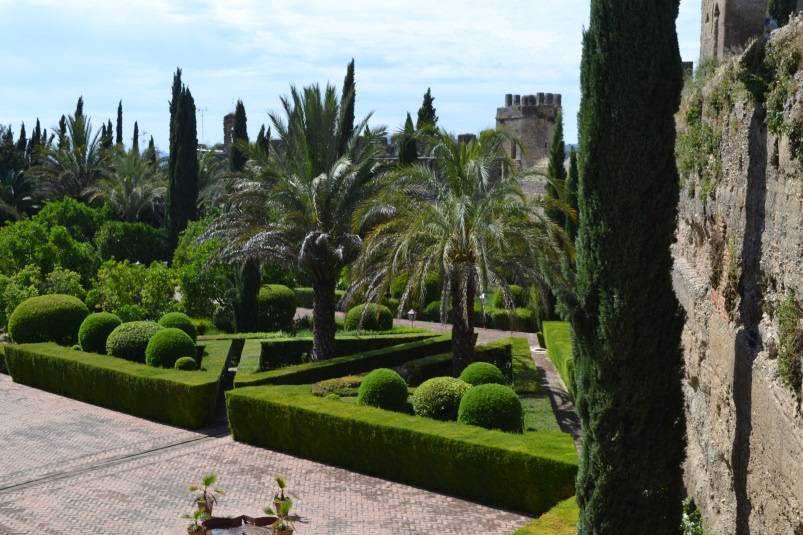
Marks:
<point>179,320</point>
<point>518,295</point>
<point>439,398</point>
<point>95,330</point>
<point>369,317</point>
<point>130,340</point>
<point>167,346</point>
<point>47,318</point>
<point>482,373</point>
<point>277,307</point>
<point>186,364</point>
<point>493,407</point>
<point>383,388</point>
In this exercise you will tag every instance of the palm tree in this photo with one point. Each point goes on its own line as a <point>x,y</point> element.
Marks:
<point>298,209</point>
<point>16,195</point>
<point>135,189</point>
<point>464,217</point>
<point>76,164</point>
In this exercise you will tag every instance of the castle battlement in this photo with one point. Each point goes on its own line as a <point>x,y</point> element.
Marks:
<point>532,119</point>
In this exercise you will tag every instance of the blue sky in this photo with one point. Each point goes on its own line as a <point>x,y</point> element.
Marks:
<point>470,53</point>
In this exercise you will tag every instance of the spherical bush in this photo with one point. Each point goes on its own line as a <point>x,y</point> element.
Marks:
<point>47,318</point>
<point>186,364</point>
<point>95,330</point>
<point>383,388</point>
<point>179,320</point>
<point>167,346</point>
<point>493,407</point>
<point>482,373</point>
<point>439,398</point>
<point>130,340</point>
<point>369,317</point>
<point>277,307</point>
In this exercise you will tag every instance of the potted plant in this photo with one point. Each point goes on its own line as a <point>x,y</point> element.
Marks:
<point>283,524</point>
<point>205,495</point>
<point>197,517</point>
<point>280,497</point>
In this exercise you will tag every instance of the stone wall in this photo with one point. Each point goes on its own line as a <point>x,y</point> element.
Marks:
<point>531,119</point>
<point>739,251</point>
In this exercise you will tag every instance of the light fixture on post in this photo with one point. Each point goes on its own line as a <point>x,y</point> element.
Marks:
<point>411,316</point>
<point>483,298</point>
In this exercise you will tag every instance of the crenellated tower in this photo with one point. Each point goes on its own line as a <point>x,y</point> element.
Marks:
<point>532,119</point>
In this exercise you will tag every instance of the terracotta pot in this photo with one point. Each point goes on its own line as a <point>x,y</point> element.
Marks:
<point>204,506</point>
<point>199,532</point>
<point>277,531</point>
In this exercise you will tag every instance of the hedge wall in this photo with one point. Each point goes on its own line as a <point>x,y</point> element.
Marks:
<point>185,399</point>
<point>278,352</point>
<point>558,339</point>
<point>312,372</point>
<point>304,296</point>
<point>560,520</point>
<point>3,368</point>
<point>528,472</point>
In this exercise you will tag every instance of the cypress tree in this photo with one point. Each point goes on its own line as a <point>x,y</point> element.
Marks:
<point>627,320</point>
<point>107,144</point>
<point>263,140</point>
<point>22,142</point>
<point>347,99</point>
<point>556,172</point>
<point>426,114</point>
<point>135,140</point>
<point>120,124</point>
<point>174,100</point>
<point>152,151</point>
<point>780,10</point>
<point>250,281</point>
<point>408,149</point>
<point>571,192</point>
<point>183,168</point>
<point>237,157</point>
<point>34,147</point>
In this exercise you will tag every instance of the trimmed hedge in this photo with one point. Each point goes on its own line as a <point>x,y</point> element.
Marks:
<point>277,307</point>
<point>481,373</point>
<point>129,341</point>
<point>179,320</point>
<point>439,398</point>
<point>369,317</point>
<point>167,346</point>
<point>304,296</point>
<point>492,406</point>
<point>135,242</point>
<point>383,388</point>
<point>95,330</point>
<point>280,352</point>
<point>312,372</point>
<point>558,339</point>
<point>47,318</point>
<point>417,371</point>
<point>186,364</point>
<point>525,472</point>
<point>519,319</point>
<point>560,520</point>
<point>175,397</point>
<point>517,293</point>
<point>3,367</point>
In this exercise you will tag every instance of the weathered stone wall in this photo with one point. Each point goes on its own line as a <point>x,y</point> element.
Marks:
<point>531,119</point>
<point>739,250</point>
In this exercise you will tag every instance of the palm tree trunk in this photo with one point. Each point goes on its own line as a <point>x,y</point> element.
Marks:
<point>463,290</point>
<point>323,315</point>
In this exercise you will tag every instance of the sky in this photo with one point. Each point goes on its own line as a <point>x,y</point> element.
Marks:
<point>469,52</point>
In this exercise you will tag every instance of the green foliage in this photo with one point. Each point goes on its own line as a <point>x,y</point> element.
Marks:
<point>47,318</point>
<point>383,388</point>
<point>23,285</point>
<point>781,10</point>
<point>369,317</point>
<point>130,340</point>
<point>169,396</point>
<point>277,307</point>
<point>560,520</point>
<point>783,61</point>
<point>121,286</point>
<point>238,158</point>
<point>179,320</point>
<point>134,242</point>
<point>556,174</point>
<point>248,296</point>
<point>80,220</point>
<point>439,398</point>
<point>426,114</point>
<point>523,472</point>
<point>558,339</point>
<point>492,406</point>
<point>168,345</point>
<point>408,143</point>
<point>790,343</point>
<point>202,325</point>
<point>432,312</point>
<point>95,330</point>
<point>63,281</point>
<point>186,364</point>
<point>692,521</point>
<point>518,297</point>
<point>480,373</point>
<point>348,96</point>
<point>182,196</point>
<point>130,313</point>
<point>341,386</point>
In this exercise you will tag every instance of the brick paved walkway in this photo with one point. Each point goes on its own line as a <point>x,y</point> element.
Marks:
<point>67,467</point>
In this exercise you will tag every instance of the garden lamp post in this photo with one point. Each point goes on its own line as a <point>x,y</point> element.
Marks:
<point>411,316</point>
<point>483,297</point>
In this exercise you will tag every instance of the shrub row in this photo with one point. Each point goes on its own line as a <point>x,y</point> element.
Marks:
<point>560,520</point>
<point>526,472</point>
<point>558,338</point>
<point>185,399</point>
<point>279,352</point>
<point>304,296</point>
<point>364,361</point>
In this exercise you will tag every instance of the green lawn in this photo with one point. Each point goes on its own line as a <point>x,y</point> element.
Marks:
<point>558,338</point>
<point>560,520</point>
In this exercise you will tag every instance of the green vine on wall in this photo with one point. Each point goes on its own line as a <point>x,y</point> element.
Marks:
<point>790,343</point>
<point>783,60</point>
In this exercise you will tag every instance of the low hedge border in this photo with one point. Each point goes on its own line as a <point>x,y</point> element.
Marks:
<point>560,520</point>
<point>525,472</point>
<point>3,368</point>
<point>184,399</point>
<point>279,352</point>
<point>558,338</point>
<point>312,372</point>
<point>304,296</point>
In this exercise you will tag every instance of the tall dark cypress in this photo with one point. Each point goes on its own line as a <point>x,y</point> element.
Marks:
<point>627,322</point>
<point>183,168</point>
<point>238,157</point>
<point>408,149</point>
<point>22,142</point>
<point>556,172</point>
<point>263,140</point>
<point>571,193</point>
<point>152,151</point>
<point>109,141</point>
<point>250,281</point>
<point>347,99</point>
<point>135,138</point>
<point>35,146</point>
<point>119,136</point>
<point>426,114</point>
<point>175,97</point>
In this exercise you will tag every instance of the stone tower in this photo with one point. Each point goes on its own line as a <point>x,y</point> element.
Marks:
<point>531,118</point>
<point>729,25</point>
<point>228,128</point>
